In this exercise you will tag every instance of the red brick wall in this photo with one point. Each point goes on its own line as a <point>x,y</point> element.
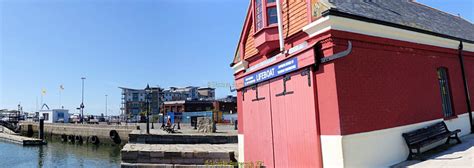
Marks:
<point>387,83</point>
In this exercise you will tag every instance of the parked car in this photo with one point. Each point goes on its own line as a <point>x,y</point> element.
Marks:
<point>75,118</point>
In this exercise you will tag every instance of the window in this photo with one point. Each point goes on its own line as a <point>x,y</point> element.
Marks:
<point>445,92</point>
<point>46,116</point>
<point>265,13</point>
<point>135,97</point>
<point>61,115</point>
<point>272,15</point>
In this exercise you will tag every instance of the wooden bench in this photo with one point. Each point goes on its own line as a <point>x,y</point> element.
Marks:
<point>425,136</point>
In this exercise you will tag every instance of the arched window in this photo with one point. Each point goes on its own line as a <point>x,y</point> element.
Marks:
<point>445,92</point>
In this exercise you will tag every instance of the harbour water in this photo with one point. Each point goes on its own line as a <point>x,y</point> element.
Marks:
<point>58,154</point>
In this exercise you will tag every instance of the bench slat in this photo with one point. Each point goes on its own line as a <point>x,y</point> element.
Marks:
<point>423,134</point>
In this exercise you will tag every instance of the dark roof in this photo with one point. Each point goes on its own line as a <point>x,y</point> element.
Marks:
<point>410,14</point>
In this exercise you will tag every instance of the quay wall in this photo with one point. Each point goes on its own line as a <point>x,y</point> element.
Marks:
<point>102,132</point>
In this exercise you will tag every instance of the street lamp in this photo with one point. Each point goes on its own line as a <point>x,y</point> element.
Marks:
<point>106,106</point>
<point>151,101</point>
<point>82,102</point>
<point>148,92</point>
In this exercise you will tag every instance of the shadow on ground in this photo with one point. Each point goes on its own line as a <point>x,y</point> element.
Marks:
<point>451,155</point>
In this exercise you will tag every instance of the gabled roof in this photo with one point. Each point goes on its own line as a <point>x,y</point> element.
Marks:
<point>243,34</point>
<point>408,13</point>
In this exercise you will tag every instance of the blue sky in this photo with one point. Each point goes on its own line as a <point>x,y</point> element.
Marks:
<point>46,43</point>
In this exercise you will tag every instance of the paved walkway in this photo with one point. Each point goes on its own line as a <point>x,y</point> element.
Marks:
<point>458,156</point>
<point>188,130</point>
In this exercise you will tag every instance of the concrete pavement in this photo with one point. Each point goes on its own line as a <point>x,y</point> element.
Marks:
<point>458,156</point>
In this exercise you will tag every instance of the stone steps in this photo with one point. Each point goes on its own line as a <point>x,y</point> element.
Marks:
<point>183,138</point>
<point>165,155</point>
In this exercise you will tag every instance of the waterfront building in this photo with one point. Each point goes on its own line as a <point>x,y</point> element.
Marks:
<point>187,106</point>
<point>340,81</point>
<point>228,98</point>
<point>55,115</point>
<point>227,105</point>
<point>189,93</point>
<point>186,93</point>
<point>206,93</point>
<point>134,102</point>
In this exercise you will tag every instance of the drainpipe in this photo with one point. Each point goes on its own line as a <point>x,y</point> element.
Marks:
<point>466,88</point>
<point>280,27</point>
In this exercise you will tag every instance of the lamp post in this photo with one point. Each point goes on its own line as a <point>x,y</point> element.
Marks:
<point>82,102</point>
<point>106,106</point>
<point>149,106</point>
<point>163,119</point>
<point>148,91</point>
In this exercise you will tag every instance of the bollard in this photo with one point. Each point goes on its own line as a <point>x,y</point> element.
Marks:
<point>235,125</point>
<point>41,128</point>
<point>30,131</point>
<point>214,128</point>
<point>178,125</point>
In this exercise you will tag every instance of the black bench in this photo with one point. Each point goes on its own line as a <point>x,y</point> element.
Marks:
<point>425,136</point>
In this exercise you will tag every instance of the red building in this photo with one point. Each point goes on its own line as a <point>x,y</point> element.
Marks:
<point>352,77</point>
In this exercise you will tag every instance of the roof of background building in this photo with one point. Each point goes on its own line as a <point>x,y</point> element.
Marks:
<point>206,88</point>
<point>188,102</point>
<point>408,13</point>
<point>124,88</point>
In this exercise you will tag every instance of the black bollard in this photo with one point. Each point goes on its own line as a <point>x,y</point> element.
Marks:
<point>235,125</point>
<point>178,125</point>
<point>41,128</point>
<point>214,128</point>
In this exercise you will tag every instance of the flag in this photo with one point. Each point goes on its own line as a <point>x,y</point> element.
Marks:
<point>61,87</point>
<point>43,92</point>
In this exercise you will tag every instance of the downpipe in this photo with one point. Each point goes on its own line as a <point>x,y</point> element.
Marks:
<point>466,88</point>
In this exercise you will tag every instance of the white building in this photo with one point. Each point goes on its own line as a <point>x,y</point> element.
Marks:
<point>189,93</point>
<point>186,93</point>
<point>134,101</point>
<point>55,115</point>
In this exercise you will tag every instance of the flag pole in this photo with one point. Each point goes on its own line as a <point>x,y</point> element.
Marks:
<point>60,98</point>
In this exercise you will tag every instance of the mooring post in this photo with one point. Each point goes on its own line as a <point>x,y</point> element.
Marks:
<point>235,125</point>
<point>214,128</point>
<point>41,128</point>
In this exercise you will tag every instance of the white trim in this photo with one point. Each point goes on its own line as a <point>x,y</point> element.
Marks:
<point>240,138</point>
<point>355,26</point>
<point>264,63</point>
<point>331,148</point>
<point>240,66</point>
<point>381,148</point>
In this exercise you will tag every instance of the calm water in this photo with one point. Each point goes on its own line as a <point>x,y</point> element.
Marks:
<point>58,154</point>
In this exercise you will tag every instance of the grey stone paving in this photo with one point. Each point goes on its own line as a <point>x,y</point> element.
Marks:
<point>458,156</point>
